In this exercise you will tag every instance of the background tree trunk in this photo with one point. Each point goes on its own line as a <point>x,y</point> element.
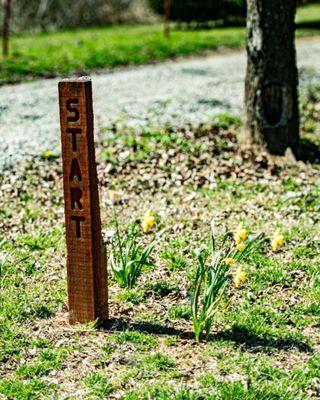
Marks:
<point>166,21</point>
<point>5,27</point>
<point>271,98</point>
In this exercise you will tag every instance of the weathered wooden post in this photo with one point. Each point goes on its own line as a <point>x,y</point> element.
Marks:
<point>86,261</point>
<point>166,18</point>
<point>5,27</point>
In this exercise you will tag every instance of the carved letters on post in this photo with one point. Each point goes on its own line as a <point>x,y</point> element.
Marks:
<point>86,263</point>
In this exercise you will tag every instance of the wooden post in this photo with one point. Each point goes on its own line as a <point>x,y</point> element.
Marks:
<point>87,274</point>
<point>5,27</point>
<point>166,19</point>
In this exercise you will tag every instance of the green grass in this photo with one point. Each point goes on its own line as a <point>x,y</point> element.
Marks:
<point>157,361</point>
<point>98,386</point>
<point>79,51</point>
<point>308,13</point>
<point>49,360</point>
<point>173,259</point>
<point>141,340</point>
<point>82,50</point>
<point>264,345</point>
<point>134,296</point>
<point>24,390</point>
<point>180,311</point>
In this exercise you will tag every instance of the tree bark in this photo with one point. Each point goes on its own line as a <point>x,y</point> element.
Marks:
<point>5,27</point>
<point>271,96</point>
<point>166,20</point>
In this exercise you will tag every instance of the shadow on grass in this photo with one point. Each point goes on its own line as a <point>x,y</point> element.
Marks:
<point>250,340</point>
<point>308,25</point>
<point>308,151</point>
<point>239,335</point>
<point>119,325</point>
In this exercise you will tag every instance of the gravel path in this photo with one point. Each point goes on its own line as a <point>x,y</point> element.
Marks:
<point>180,92</point>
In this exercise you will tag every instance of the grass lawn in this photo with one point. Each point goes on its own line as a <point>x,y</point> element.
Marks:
<point>82,50</point>
<point>265,345</point>
<point>309,13</point>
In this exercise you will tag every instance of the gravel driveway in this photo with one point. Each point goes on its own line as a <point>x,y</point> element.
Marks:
<point>175,92</point>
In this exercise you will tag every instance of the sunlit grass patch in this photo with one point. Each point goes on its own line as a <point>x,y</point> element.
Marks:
<point>308,13</point>
<point>134,296</point>
<point>179,312</point>
<point>142,341</point>
<point>86,48</point>
<point>156,362</point>
<point>98,385</point>
<point>173,259</point>
<point>25,390</point>
<point>48,361</point>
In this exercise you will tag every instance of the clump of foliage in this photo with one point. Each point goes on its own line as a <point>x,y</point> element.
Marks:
<point>127,254</point>
<point>211,279</point>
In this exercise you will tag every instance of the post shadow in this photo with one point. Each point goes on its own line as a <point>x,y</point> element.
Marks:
<point>241,336</point>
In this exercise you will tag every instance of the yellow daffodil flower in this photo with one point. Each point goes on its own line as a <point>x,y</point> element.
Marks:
<point>240,277</point>
<point>229,261</point>
<point>240,247</point>
<point>241,234</point>
<point>147,221</point>
<point>47,154</point>
<point>277,240</point>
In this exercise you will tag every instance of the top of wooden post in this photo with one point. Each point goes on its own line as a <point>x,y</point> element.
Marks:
<point>77,79</point>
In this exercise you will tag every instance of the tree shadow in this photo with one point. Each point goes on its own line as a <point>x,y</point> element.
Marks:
<point>251,341</point>
<point>308,25</point>
<point>308,151</point>
<point>242,336</point>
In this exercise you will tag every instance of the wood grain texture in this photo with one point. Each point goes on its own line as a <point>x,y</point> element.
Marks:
<point>271,88</point>
<point>86,260</point>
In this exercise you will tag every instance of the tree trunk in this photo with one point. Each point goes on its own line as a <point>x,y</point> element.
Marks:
<point>5,27</point>
<point>166,21</point>
<point>271,98</point>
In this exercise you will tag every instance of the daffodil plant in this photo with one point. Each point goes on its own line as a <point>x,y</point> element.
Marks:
<point>127,256</point>
<point>211,277</point>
